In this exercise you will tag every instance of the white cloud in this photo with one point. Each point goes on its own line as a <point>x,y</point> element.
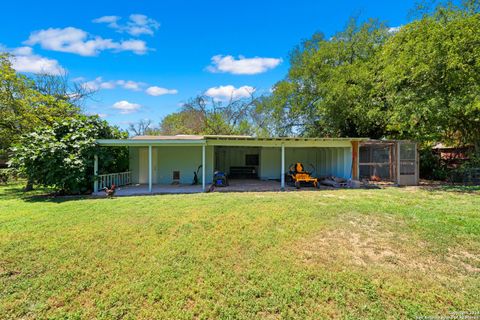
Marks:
<point>136,25</point>
<point>242,65</point>
<point>158,91</point>
<point>98,83</point>
<point>130,85</point>
<point>111,20</point>
<point>126,107</point>
<point>77,41</point>
<point>24,60</point>
<point>229,92</point>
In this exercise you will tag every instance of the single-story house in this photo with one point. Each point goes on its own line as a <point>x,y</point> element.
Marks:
<point>167,160</point>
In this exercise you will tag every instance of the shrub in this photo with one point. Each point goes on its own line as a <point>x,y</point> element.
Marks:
<point>7,175</point>
<point>431,166</point>
<point>61,156</point>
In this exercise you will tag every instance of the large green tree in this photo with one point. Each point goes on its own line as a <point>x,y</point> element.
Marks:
<point>330,87</point>
<point>29,102</point>
<point>420,82</point>
<point>431,73</point>
<point>61,155</point>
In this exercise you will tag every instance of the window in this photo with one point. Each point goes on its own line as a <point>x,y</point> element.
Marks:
<point>251,159</point>
<point>176,175</point>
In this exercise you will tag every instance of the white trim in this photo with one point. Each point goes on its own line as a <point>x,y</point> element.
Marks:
<point>282,170</point>
<point>253,142</point>
<point>150,168</point>
<point>279,143</point>
<point>203,167</point>
<point>146,143</point>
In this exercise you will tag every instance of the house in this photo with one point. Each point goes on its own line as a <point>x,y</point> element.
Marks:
<point>172,160</point>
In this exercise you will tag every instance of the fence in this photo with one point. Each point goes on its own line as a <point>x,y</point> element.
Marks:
<point>119,179</point>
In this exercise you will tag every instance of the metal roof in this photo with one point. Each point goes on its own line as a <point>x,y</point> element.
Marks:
<point>240,137</point>
<point>227,140</point>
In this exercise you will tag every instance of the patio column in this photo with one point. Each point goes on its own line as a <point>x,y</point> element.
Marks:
<point>203,167</point>
<point>282,171</point>
<point>355,155</point>
<point>150,168</point>
<point>95,173</point>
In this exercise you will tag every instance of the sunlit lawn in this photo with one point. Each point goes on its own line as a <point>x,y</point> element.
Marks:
<point>394,253</point>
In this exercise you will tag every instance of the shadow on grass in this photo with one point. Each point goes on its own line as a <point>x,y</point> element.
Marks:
<point>449,187</point>
<point>16,191</point>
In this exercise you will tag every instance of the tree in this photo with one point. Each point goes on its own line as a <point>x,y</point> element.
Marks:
<point>61,155</point>
<point>206,115</point>
<point>27,103</point>
<point>431,71</point>
<point>142,127</point>
<point>329,89</point>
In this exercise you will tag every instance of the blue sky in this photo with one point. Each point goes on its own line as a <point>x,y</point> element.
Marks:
<point>147,57</point>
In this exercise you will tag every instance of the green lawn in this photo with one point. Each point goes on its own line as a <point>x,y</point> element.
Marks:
<point>395,253</point>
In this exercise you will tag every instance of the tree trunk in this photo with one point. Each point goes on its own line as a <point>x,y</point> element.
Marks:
<point>29,186</point>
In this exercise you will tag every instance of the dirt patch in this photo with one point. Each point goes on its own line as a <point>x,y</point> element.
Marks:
<point>374,242</point>
<point>464,260</point>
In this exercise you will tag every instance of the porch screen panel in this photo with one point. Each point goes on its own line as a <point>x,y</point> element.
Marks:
<point>407,158</point>
<point>375,162</point>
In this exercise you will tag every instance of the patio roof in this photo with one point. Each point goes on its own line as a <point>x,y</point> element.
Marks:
<point>229,140</point>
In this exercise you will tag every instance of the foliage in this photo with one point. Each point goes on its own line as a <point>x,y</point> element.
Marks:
<point>205,115</point>
<point>27,103</point>
<point>330,89</point>
<point>61,156</point>
<point>142,127</point>
<point>397,253</point>
<point>7,175</point>
<point>420,82</point>
<point>468,172</point>
<point>431,73</point>
<point>431,166</point>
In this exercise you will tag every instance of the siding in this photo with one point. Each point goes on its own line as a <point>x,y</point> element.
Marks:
<point>233,157</point>
<point>169,159</point>
<point>329,161</point>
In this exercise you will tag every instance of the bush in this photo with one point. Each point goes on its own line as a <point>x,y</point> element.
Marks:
<point>468,172</point>
<point>61,156</point>
<point>7,175</point>
<point>431,166</point>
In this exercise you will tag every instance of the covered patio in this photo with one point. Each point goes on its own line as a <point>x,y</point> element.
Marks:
<point>167,164</point>
<point>240,185</point>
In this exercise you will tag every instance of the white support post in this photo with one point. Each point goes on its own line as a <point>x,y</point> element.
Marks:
<point>95,173</point>
<point>149,168</point>
<point>203,167</point>
<point>282,171</point>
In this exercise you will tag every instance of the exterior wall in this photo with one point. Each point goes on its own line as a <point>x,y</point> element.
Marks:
<point>165,160</point>
<point>227,157</point>
<point>270,163</point>
<point>134,155</point>
<point>328,161</point>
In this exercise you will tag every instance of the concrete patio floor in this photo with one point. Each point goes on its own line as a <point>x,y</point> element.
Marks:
<point>235,186</point>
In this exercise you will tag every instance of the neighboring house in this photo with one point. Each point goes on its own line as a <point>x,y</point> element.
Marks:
<point>163,160</point>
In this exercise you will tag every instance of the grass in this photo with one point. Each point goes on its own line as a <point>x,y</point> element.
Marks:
<point>391,253</point>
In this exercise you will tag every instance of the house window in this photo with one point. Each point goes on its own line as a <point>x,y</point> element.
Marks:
<point>251,159</point>
<point>176,175</point>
